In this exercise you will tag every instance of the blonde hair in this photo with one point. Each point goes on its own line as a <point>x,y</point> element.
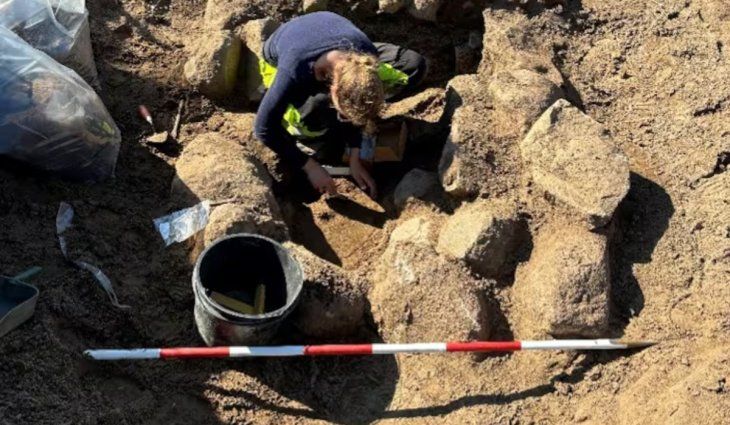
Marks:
<point>358,92</point>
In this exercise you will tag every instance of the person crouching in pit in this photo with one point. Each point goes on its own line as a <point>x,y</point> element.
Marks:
<point>326,85</point>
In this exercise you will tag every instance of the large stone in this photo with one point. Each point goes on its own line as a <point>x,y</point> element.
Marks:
<point>333,300</point>
<point>563,290</point>
<point>228,14</point>
<point>476,160</point>
<point>213,66</point>
<point>486,235</point>
<point>309,6</point>
<point>254,34</point>
<point>416,184</point>
<point>519,98</point>
<point>572,158</point>
<point>233,217</point>
<point>510,44</point>
<point>420,296</point>
<point>214,168</point>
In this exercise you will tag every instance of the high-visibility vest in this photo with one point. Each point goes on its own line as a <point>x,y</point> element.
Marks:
<point>292,119</point>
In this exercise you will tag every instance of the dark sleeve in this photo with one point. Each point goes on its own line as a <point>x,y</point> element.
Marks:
<point>268,127</point>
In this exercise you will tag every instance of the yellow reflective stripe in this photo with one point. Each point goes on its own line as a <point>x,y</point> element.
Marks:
<point>292,122</point>
<point>391,76</point>
<point>268,73</point>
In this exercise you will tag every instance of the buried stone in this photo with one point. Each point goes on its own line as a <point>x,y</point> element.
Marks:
<point>420,296</point>
<point>215,168</point>
<point>416,184</point>
<point>519,98</point>
<point>486,235</point>
<point>213,66</point>
<point>563,290</point>
<point>333,300</point>
<point>572,157</point>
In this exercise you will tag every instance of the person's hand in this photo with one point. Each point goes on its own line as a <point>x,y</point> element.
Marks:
<point>319,177</point>
<point>361,175</point>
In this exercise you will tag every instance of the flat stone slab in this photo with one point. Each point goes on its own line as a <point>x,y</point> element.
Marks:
<point>572,157</point>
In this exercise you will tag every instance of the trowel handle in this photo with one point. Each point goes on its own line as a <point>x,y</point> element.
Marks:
<point>28,273</point>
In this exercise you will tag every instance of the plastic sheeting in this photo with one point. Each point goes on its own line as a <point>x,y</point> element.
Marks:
<point>59,28</point>
<point>50,118</point>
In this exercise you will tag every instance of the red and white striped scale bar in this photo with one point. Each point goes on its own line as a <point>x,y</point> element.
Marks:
<point>359,349</point>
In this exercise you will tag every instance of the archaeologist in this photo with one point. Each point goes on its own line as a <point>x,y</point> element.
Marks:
<point>327,83</point>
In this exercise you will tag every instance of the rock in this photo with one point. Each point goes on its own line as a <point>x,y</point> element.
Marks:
<point>228,14</point>
<point>254,34</point>
<point>426,10</point>
<point>486,235</point>
<point>426,105</point>
<point>416,183</point>
<point>309,6</point>
<point>572,158</point>
<point>509,45</point>
<point>217,169</point>
<point>459,173</point>
<point>420,296</point>
<point>563,290</point>
<point>391,6</point>
<point>231,218</point>
<point>333,300</point>
<point>213,66</point>
<point>519,98</point>
<point>158,138</point>
<point>417,231</point>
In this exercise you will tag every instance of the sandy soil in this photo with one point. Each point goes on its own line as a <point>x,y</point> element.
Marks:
<point>653,72</point>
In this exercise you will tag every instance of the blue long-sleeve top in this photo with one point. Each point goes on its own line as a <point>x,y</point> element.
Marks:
<point>293,49</point>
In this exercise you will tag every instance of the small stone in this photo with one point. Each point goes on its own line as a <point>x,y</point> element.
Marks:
<point>391,6</point>
<point>573,159</point>
<point>158,138</point>
<point>417,184</point>
<point>212,69</point>
<point>309,6</point>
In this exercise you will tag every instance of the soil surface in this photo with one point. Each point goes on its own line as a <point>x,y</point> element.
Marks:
<point>653,72</point>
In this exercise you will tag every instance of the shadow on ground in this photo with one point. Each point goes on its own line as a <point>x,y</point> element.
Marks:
<point>641,220</point>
